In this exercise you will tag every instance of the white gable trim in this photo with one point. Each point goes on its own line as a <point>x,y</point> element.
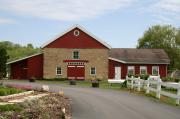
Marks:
<point>23,58</point>
<point>114,59</point>
<point>81,28</point>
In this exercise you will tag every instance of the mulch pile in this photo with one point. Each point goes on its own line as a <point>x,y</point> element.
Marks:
<point>47,107</point>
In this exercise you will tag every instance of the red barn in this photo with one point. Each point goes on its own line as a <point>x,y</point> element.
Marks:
<point>77,54</point>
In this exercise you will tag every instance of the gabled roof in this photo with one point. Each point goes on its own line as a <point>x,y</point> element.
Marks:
<point>24,58</point>
<point>139,56</point>
<point>81,28</point>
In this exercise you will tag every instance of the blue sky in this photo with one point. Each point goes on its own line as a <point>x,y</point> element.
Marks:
<point>118,22</point>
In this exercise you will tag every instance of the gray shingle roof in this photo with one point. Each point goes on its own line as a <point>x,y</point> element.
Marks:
<point>141,56</point>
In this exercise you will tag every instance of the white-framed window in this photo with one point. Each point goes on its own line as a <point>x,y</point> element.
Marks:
<point>143,70</point>
<point>93,71</point>
<point>58,70</point>
<point>155,70</point>
<point>131,70</point>
<point>76,32</point>
<point>75,54</point>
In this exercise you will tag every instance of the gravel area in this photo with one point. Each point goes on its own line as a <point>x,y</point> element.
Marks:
<point>47,107</point>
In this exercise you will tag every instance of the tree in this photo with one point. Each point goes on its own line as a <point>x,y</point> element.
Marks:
<point>3,60</point>
<point>163,37</point>
<point>16,51</point>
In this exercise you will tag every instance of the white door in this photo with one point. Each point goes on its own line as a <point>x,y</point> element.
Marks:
<point>117,73</point>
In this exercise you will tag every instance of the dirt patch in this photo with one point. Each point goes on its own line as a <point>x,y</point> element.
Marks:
<point>47,107</point>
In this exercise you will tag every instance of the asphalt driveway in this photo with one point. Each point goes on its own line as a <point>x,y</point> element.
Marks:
<point>91,103</point>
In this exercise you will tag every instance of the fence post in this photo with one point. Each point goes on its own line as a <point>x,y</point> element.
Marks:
<point>178,94</point>
<point>158,93</point>
<point>127,81</point>
<point>147,86</point>
<point>132,82</point>
<point>139,84</point>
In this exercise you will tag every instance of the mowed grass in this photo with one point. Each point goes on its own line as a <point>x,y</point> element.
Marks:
<point>8,91</point>
<point>106,85</point>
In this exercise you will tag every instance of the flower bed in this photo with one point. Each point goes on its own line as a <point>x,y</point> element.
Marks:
<point>47,107</point>
<point>22,87</point>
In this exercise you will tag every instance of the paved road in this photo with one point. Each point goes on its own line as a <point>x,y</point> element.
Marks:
<point>90,103</point>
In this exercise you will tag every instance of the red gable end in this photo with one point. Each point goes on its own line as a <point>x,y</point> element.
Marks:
<point>76,38</point>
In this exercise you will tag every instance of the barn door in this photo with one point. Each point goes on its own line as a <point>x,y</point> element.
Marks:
<point>117,73</point>
<point>76,72</point>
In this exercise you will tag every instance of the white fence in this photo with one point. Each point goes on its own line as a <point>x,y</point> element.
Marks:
<point>154,84</point>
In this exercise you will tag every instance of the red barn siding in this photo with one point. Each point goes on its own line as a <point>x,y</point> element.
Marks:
<point>35,66</point>
<point>112,64</point>
<point>68,40</point>
<point>27,68</point>
<point>19,70</point>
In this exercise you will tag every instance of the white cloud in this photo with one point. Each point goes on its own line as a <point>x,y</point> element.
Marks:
<point>166,11</point>
<point>63,9</point>
<point>6,21</point>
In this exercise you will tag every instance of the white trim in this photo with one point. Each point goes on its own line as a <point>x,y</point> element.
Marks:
<point>80,77</point>
<point>24,58</point>
<point>81,28</point>
<point>56,71</point>
<point>152,70</point>
<point>143,67</point>
<point>71,66</point>
<point>121,61</point>
<point>90,70</point>
<point>131,67</point>
<point>71,77</point>
<point>80,66</point>
<point>116,60</point>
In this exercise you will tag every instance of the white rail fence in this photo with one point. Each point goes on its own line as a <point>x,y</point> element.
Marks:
<point>154,84</point>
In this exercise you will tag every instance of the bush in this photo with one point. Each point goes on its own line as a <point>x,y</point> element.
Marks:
<point>54,79</point>
<point>7,91</point>
<point>10,107</point>
<point>170,79</point>
<point>3,92</point>
<point>124,84</point>
<point>142,76</point>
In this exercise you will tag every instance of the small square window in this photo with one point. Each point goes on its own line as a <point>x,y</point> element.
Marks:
<point>75,54</point>
<point>143,70</point>
<point>131,70</point>
<point>155,70</point>
<point>58,71</point>
<point>93,71</point>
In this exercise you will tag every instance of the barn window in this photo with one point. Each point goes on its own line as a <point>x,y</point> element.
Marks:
<point>58,71</point>
<point>76,33</point>
<point>75,54</point>
<point>131,70</point>
<point>143,70</point>
<point>93,71</point>
<point>155,70</point>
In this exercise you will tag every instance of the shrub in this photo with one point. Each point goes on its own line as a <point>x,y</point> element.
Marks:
<point>3,92</point>
<point>54,79</point>
<point>170,79</point>
<point>124,84</point>
<point>10,107</point>
<point>7,91</point>
<point>145,76</point>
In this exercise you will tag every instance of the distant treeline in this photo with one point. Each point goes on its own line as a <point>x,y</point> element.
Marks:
<point>16,51</point>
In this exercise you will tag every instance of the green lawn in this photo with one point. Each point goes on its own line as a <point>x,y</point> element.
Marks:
<point>8,91</point>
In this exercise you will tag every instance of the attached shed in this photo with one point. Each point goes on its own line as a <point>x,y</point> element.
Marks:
<point>123,61</point>
<point>27,67</point>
